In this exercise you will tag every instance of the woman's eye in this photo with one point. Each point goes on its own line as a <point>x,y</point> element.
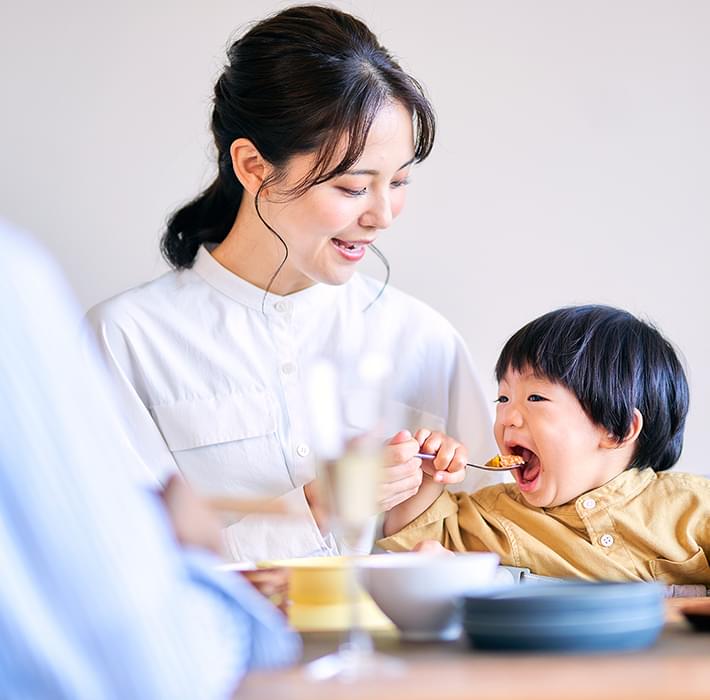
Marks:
<point>501,399</point>
<point>399,183</point>
<point>536,397</point>
<point>353,193</point>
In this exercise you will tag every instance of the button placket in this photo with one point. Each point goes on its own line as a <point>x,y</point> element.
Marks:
<point>597,522</point>
<point>600,526</point>
<point>281,327</point>
<point>300,462</point>
<point>281,330</point>
<point>303,450</point>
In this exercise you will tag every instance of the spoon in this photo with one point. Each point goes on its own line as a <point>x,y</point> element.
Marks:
<point>489,467</point>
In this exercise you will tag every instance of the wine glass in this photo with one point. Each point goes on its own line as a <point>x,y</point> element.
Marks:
<point>346,410</point>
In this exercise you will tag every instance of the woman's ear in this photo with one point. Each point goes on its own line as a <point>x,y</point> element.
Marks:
<point>631,436</point>
<point>248,164</point>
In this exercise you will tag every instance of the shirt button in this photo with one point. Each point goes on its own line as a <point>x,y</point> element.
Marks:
<point>303,450</point>
<point>281,306</point>
<point>288,368</point>
<point>606,540</point>
<point>589,503</point>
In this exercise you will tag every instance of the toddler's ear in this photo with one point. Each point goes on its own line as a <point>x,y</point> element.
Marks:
<point>635,428</point>
<point>634,431</point>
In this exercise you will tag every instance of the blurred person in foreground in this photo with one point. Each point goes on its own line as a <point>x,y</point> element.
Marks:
<point>108,591</point>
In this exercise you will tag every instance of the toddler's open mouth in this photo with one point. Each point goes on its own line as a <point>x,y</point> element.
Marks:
<point>527,476</point>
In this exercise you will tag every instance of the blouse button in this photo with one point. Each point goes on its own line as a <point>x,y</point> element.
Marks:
<point>281,306</point>
<point>288,368</point>
<point>303,450</point>
<point>606,540</point>
<point>589,503</point>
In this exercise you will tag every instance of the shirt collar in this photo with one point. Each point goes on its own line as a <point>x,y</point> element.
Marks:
<point>252,296</point>
<point>619,490</point>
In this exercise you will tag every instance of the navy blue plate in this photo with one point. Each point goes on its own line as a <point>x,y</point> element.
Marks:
<point>568,616</point>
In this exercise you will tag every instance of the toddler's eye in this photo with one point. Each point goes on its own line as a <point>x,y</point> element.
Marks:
<point>536,397</point>
<point>501,399</point>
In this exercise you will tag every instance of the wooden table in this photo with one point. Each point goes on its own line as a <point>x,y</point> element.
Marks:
<point>676,667</point>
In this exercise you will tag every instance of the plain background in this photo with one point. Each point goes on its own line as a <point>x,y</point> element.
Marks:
<point>572,162</point>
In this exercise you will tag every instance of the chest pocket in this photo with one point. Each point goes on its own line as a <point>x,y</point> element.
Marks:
<point>226,444</point>
<point>693,570</point>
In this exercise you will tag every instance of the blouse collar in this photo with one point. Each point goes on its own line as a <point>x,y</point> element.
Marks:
<point>243,292</point>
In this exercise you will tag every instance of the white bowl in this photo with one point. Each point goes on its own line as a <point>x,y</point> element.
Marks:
<point>421,592</point>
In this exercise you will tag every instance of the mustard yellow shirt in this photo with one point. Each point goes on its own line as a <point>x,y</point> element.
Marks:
<point>639,526</point>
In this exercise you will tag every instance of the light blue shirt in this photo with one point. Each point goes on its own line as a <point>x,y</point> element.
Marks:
<point>97,600</point>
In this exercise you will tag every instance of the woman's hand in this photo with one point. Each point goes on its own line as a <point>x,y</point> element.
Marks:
<point>194,524</point>
<point>402,472</point>
<point>402,476</point>
<point>450,456</point>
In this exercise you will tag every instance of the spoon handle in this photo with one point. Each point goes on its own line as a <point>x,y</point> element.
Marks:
<point>422,455</point>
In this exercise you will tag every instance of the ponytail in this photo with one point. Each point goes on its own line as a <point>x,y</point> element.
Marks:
<point>206,219</point>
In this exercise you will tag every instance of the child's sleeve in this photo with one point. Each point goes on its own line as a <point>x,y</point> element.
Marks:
<point>460,522</point>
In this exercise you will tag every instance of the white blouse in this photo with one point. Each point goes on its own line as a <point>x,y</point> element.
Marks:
<point>212,385</point>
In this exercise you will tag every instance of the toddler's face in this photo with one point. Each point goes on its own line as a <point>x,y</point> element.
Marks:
<point>566,453</point>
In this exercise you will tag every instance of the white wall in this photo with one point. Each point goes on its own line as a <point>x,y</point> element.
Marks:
<point>572,162</point>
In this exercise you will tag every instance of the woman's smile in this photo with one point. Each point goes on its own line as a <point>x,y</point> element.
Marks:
<point>352,251</point>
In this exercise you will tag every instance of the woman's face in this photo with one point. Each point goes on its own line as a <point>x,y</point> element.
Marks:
<point>328,228</point>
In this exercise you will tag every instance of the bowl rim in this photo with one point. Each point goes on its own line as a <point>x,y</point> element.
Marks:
<point>406,560</point>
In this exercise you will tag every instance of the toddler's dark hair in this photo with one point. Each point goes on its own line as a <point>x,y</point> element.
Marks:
<point>613,363</point>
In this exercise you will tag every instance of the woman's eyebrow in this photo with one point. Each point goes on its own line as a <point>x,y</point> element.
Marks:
<point>377,172</point>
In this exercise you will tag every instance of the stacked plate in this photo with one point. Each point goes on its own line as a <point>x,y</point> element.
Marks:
<point>566,616</point>
<point>697,612</point>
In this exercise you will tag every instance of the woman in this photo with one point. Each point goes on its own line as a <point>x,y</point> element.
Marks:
<point>317,129</point>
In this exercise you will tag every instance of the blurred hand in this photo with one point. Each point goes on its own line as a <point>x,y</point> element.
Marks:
<point>194,524</point>
<point>449,463</point>
<point>431,547</point>
<point>272,583</point>
<point>402,471</point>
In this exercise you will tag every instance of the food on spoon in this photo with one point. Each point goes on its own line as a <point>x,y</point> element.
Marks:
<point>505,461</point>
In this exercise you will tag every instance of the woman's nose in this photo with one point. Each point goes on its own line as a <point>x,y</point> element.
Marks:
<point>379,212</point>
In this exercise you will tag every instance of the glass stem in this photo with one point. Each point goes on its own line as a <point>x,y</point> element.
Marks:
<point>358,639</point>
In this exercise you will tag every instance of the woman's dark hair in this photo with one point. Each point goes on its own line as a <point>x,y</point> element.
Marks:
<point>613,363</point>
<point>296,82</point>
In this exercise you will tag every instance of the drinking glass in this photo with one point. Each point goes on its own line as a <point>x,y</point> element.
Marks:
<point>346,407</point>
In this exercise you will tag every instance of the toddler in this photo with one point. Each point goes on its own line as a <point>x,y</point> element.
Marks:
<point>595,401</point>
